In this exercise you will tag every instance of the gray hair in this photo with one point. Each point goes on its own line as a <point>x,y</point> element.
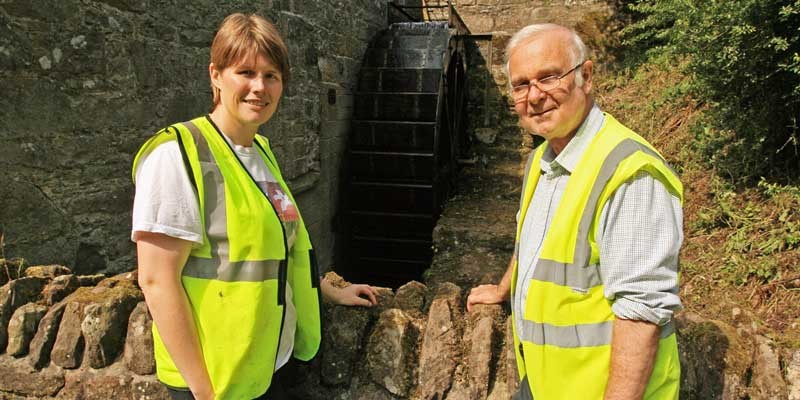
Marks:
<point>577,48</point>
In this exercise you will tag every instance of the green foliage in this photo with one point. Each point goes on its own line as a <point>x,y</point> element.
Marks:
<point>744,58</point>
<point>759,225</point>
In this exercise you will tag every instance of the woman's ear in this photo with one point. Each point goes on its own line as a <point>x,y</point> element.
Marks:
<point>214,75</point>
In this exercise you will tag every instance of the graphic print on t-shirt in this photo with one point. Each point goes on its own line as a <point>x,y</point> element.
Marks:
<point>287,212</point>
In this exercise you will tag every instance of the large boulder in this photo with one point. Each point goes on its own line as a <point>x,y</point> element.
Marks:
<point>13,295</point>
<point>390,352</point>
<point>42,342</point>
<point>439,354</point>
<point>22,328</point>
<point>343,335</point>
<point>95,319</point>
<point>767,380</point>
<point>138,354</point>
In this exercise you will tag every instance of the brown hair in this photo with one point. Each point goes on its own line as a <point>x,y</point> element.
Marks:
<point>240,36</point>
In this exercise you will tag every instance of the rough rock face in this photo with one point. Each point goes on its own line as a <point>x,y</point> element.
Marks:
<point>13,295</point>
<point>42,342</point>
<point>793,374</point>
<point>439,352</point>
<point>88,82</point>
<point>342,344</point>
<point>138,354</point>
<point>388,358</point>
<point>22,327</point>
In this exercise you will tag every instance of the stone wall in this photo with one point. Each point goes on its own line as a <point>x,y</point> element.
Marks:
<point>492,22</point>
<point>87,82</point>
<point>487,16</point>
<point>70,336</point>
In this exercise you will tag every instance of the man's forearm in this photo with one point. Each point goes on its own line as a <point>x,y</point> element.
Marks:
<point>505,282</point>
<point>633,351</point>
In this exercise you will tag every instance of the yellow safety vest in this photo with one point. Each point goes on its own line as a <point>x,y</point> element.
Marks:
<point>236,280</point>
<point>565,334</point>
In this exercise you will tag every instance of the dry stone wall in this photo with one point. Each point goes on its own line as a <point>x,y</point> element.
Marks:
<point>87,82</point>
<point>67,336</point>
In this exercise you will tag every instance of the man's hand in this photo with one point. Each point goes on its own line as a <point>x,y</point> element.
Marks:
<point>486,294</point>
<point>492,294</point>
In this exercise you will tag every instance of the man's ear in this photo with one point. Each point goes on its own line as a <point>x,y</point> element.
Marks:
<point>587,72</point>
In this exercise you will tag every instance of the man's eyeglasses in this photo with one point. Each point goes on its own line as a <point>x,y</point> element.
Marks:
<point>520,92</point>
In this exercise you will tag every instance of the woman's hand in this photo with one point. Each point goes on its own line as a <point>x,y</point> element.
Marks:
<point>352,295</point>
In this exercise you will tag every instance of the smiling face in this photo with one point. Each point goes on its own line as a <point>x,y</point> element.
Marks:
<point>554,115</point>
<point>249,92</point>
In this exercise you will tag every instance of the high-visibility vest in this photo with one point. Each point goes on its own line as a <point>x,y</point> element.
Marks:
<point>236,280</point>
<point>563,345</point>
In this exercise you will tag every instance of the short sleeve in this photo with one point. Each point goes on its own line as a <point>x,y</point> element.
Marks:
<point>165,200</point>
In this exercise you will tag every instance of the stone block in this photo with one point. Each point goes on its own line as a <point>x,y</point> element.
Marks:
<point>111,302</point>
<point>793,374</point>
<point>22,328</point>
<point>88,384</point>
<point>390,352</point>
<point>47,271</point>
<point>479,23</point>
<point>138,354</point>
<point>12,296</point>
<point>479,358</point>
<point>411,296</point>
<point>343,336</point>
<point>18,377</point>
<point>59,288</point>
<point>42,343</point>
<point>68,347</point>
<point>105,323</point>
<point>767,380</point>
<point>440,346</point>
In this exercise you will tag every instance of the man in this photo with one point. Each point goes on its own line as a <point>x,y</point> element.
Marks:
<point>593,281</point>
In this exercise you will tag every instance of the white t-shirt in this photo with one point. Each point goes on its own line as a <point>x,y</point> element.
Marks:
<point>166,202</point>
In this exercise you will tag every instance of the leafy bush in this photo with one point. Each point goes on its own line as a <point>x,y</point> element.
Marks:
<point>744,58</point>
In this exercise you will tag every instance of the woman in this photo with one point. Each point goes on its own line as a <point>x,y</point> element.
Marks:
<point>225,261</point>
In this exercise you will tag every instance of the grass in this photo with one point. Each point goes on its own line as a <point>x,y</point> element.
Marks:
<point>741,252</point>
